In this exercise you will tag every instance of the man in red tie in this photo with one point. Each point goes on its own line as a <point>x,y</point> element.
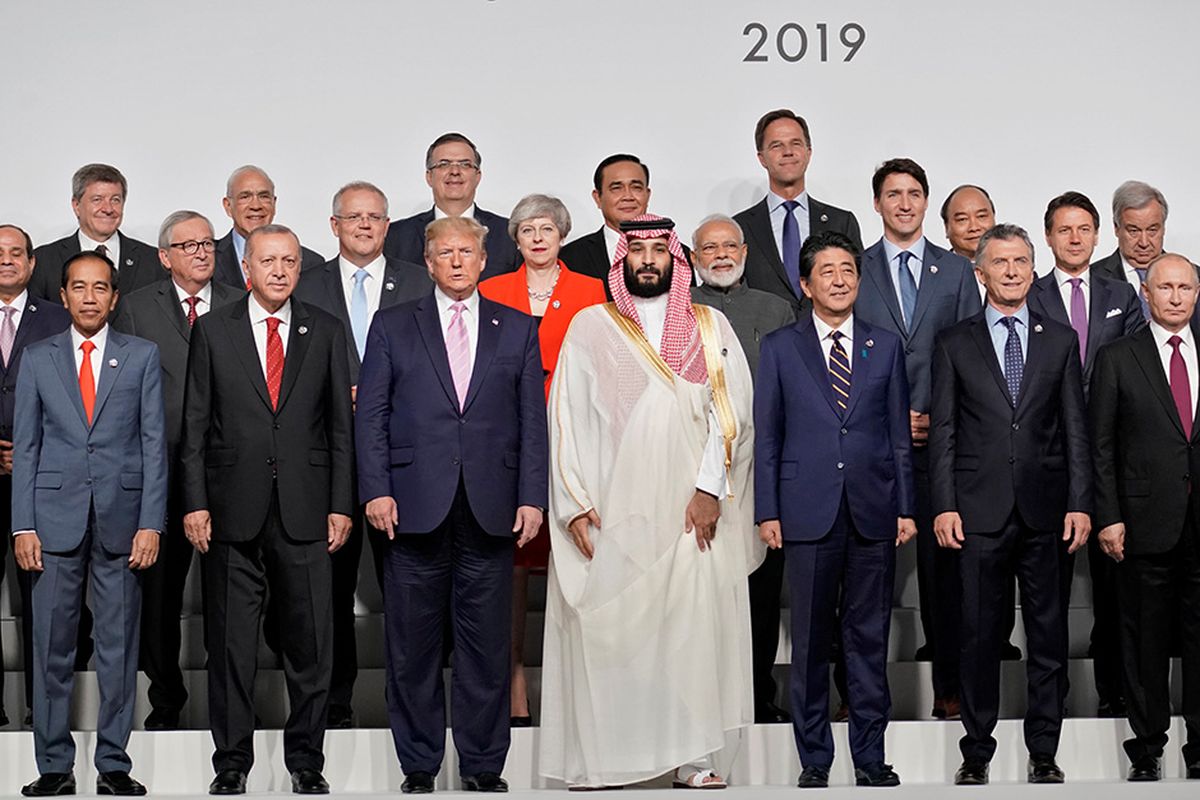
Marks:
<point>1144,450</point>
<point>267,457</point>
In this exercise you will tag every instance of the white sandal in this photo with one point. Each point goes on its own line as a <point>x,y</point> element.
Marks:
<point>697,779</point>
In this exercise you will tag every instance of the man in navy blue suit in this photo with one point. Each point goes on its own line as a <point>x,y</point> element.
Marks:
<point>914,289</point>
<point>833,485</point>
<point>452,465</point>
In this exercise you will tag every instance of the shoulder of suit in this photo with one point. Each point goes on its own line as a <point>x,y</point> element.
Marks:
<point>880,336</point>
<point>770,300</point>
<point>746,213</point>
<point>943,257</point>
<point>587,237</point>
<point>816,205</point>
<point>490,218</point>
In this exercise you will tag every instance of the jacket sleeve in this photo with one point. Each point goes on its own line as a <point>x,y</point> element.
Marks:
<point>340,425</point>
<point>372,408</point>
<point>197,412</point>
<point>153,514</point>
<point>943,423</point>
<point>1075,424</point>
<point>27,447</point>
<point>769,422</point>
<point>900,433</point>
<point>533,480</point>
<point>1104,408</point>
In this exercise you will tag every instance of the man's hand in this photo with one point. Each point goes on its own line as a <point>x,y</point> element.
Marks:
<point>702,514</point>
<point>6,450</point>
<point>920,428</point>
<point>1112,541</point>
<point>144,552</point>
<point>338,526</point>
<point>771,533</point>
<point>527,523</point>
<point>578,528</point>
<point>27,549</point>
<point>1076,527</point>
<point>948,528</point>
<point>906,529</point>
<point>383,516</point>
<point>197,527</point>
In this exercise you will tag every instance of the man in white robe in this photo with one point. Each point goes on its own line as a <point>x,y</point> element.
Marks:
<point>647,643</point>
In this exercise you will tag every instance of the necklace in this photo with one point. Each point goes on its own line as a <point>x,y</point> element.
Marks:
<point>545,295</point>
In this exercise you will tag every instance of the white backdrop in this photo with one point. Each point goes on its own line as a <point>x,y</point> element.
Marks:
<point>1025,98</point>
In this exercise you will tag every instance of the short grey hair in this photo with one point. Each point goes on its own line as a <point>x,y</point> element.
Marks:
<point>96,173</point>
<point>711,218</point>
<point>167,229</point>
<point>269,230</point>
<point>467,225</point>
<point>532,206</point>
<point>356,186</point>
<point>242,170</point>
<point>1005,232</point>
<point>1133,195</point>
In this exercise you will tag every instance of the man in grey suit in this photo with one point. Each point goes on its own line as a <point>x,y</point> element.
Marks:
<point>1140,222</point>
<point>777,225</point>
<point>89,498</point>
<point>914,289</point>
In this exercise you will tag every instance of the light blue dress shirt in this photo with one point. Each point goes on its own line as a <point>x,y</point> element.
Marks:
<point>915,264</point>
<point>999,331</point>
<point>775,205</point>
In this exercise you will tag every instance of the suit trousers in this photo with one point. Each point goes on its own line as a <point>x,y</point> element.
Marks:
<point>1105,646</point>
<point>58,593</point>
<point>236,579</point>
<point>456,570</point>
<point>162,606</point>
<point>939,588</point>
<point>987,565</point>
<point>766,585</point>
<point>862,573</point>
<point>1151,589</point>
<point>344,564</point>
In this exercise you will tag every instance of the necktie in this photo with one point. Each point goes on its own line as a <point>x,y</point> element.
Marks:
<point>1014,361</point>
<point>839,371</point>
<point>8,333</point>
<point>458,349</point>
<point>1079,319</point>
<point>191,312</point>
<point>1181,393</point>
<point>1141,273</point>
<point>791,245</point>
<point>87,382</point>
<point>274,361</point>
<point>358,311</point>
<point>102,250</point>
<point>908,289</point>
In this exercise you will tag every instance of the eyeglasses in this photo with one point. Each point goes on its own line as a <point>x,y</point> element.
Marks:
<point>191,246</point>
<point>463,165</point>
<point>263,197</point>
<point>355,219</point>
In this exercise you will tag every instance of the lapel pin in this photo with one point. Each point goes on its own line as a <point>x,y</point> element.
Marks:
<point>556,304</point>
<point>303,329</point>
<point>390,286</point>
<point>870,342</point>
<point>129,262</point>
<point>824,218</point>
<point>495,321</point>
<point>32,308</point>
<point>1037,328</point>
<point>933,269</point>
<point>112,362</point>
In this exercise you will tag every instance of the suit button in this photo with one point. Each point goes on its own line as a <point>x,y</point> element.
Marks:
<point>1012,460</point>
<point>1016,426</point>
<point>844,431</point>
<point>462,421</point>
<point>1187,476</point>
<point>454,461</point>
<point>88,481</point>
<point>275,425</point>
<point>271,461</point>
<point>841,465</point>
<point>3,390</point>
<point>91,448</point>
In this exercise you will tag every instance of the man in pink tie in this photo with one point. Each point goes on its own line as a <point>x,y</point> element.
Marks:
<point>452,465</point>
<point>1144,447</point>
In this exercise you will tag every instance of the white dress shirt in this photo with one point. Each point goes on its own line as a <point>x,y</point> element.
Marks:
<point>1187,350</point>
<point>470,317</point>
<point>470,212</point>
<point>371,284</point>
<point>1085,284</point>
<point>825,337</point>
<point>258,325</point>
<point>1131,276</point>
<point>611,238</point>
<point>100,339</point>
<point>204,299</point>
<point>19,304</point>
<point>112,246</point>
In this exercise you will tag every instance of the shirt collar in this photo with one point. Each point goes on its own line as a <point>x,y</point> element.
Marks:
<point>374,269</point>
<point>239,246</point>
<point>738,288</point>
<point>774,201</point>
<point>20,301</point>
<point>1161,335</point>
<point>205,294</point>
<point>611,238</point>
<point>100,338</point>
<point>470,212</point>
<point>1061,277</point>
<point>444,301</point>
<point>825,330</point>
<point>258,313</point>
<point>87,243</point>
<point>892,250</point>
<point>994,316</point>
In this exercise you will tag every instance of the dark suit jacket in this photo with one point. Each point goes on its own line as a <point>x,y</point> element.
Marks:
<point>406,241</point>
<point>413,441</point>
<point>1143,461</point>
<point>808,453</point>
<point>233,443</point>
<point>948,293</point>
<point>1113,311</point>
<point>40,319</point>
<point>228,270</point>
<point>1110,267</point>
<point>139,266</point>
<point>764,264</point>
<point>987,457</point>
<point>402,282</point>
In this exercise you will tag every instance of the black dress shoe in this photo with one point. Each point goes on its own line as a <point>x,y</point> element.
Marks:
<point>28,721</point>
<point>228,781</point>
<point>417,783</point>
<point>309,781</point>
<point>1146,768</point>
<point>1043,769</point>
<point>1193,771</point>
<point>162,719</point>
<point>339,717</point>
<point>771,714</point>
<point>1111,708</point>
<point>877,774</point>
<point>50,784</point>
<point>1010,652</point>
<point>520,721</point>
<point>484,782</point>
<point>814,777</point>
<point>118,783</point>
<point>972,773</point>
<point>3,718</point>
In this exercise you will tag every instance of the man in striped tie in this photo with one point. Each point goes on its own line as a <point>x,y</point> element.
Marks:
<point>834,487</point>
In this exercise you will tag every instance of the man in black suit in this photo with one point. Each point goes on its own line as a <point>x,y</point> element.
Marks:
<point>1012,486</point>
<point>250,202</point>
<point>1100,310</point>
<point>1144,449</point>
<point>98,194</point>
<point>777,225</point>
<point>1140,223</point>
<point>453,169</point>
<point>164,313</point>
<point>622,192</point>
<point>267,456</point>
<point>29,320</point>
<point>352,287</point>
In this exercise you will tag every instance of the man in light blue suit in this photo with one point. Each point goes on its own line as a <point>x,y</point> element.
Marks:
<point>89,501</point>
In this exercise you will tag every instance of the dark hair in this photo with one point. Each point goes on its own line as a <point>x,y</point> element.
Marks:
<point>1071,200</point>
<point>20,230</point>
<point>957,189</point>
<point>617,158</point>
<point>760,130</point>
<point>825,240</point>
<point>447,138</point>
<point>86,254</point>
<point>898,166</point>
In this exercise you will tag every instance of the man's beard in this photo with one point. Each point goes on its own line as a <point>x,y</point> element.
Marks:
<point>724,280</point>
<point>639,289</point>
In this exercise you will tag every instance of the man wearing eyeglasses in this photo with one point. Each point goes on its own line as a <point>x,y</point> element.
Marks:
<point>250,203</point>
<point>452,170</point>
<point>164,313</point>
